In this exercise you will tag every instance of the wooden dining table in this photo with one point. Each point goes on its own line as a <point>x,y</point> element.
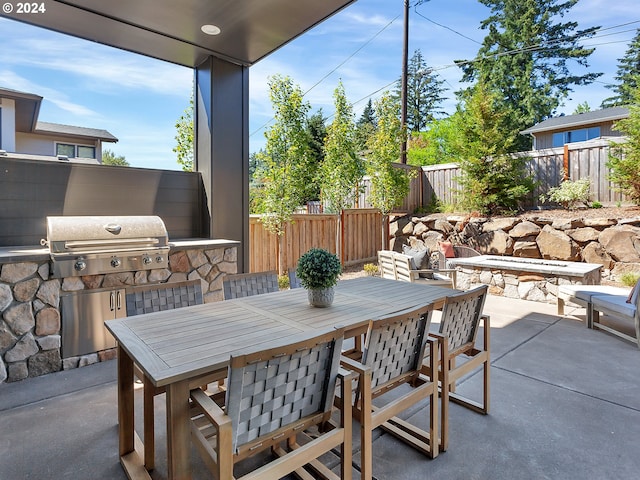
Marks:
<point>188,347</point>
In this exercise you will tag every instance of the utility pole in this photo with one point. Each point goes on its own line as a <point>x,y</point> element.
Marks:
<point>403,82</point>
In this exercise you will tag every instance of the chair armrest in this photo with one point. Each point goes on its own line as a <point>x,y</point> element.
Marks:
<point>444,270</point>
<point>210,408</point>
<point>353,365</point>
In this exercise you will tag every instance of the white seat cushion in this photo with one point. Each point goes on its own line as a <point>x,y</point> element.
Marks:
<point>585,292</point>
<point>613,304</point>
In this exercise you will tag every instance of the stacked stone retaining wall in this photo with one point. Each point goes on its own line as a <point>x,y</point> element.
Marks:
<point>613,243</point>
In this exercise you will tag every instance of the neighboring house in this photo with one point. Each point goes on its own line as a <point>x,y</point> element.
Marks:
<point>21,132</point>
<point>558,131</point>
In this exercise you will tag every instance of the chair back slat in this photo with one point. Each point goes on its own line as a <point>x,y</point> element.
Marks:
<point>272,388</point>
<point>386,264</point>
<point>395,345</point>
<point>461,316</point>
<point>248,284</point>
<point>403,267</point>
<point>162,296</point>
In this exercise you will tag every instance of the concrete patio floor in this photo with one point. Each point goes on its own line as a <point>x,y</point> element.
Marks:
<point>565,404</point>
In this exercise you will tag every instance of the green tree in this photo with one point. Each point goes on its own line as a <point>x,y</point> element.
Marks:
<point>582,108</point>
<point>492,181</point>
<point>316,131</point>
<point>365,127</point>
<point>624,158</point>
<point>342,169</point>
<point>389,185</point>
<point>626,76</point>
<point>110,158</point>
<point>525,58</point>
<point>439,144</point>
<point>184,139</point>
<point>424,93</point>
<point>286,158</point>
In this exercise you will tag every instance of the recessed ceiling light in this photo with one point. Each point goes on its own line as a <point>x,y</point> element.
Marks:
<point>210,29</point>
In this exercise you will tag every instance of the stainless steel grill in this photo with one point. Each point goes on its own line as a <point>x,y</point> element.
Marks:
<point>106,244</point>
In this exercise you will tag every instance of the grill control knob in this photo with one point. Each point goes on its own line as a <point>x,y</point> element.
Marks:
<point>146,260</point>
<point>80,265</point>
<point>159,259</point>
<point>115,262</point>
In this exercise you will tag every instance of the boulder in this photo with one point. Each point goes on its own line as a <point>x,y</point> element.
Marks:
<point>567,223</point>
<point>556,245</point>
<point>524,229</point>
<point>585,234</point>
<point>443,226</point>
<point>526,249</point>
<point>420,229</point>
<point>593,252</point>
<point>622,243</point>
<point>504,224</point>
<point>599,222</point>
<point>407,229</point>
<point>493,243</point>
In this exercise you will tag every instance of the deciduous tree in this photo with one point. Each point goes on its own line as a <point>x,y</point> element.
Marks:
<point>342,169</point>
<point>184,138</point>
<point>110,158</point>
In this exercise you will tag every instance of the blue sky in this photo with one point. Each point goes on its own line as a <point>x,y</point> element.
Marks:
<point>139,99</point>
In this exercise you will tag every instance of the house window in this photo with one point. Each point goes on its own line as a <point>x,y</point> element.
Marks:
<point>571,136</point>
<point>73,151</point>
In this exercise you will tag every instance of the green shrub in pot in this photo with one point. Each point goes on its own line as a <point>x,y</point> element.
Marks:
<point>318,269</point>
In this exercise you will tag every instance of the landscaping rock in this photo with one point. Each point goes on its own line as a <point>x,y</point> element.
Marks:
<point>528,249</point>
<point>556,245</point>
<point>621,242</point>
<point>504,224</point>
<point>493,243</point>
<point>585,234</point>
<point>524,229</point>
<point>593,252</point>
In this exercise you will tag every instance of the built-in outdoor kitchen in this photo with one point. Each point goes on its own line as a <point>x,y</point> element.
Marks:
<point>54,299</point>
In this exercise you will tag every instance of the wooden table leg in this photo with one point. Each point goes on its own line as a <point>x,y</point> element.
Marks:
<point>178,431</point>
<point>125,403</point>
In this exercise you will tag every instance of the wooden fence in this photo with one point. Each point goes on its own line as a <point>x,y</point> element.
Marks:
<point>580,160</point>
<point>360,236</point>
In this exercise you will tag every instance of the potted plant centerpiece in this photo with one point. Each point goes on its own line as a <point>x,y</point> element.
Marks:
<point>318,272</point>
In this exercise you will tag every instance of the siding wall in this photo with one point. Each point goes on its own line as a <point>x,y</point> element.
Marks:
<point>31,190</point>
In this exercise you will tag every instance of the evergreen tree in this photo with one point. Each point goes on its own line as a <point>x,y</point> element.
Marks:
<point>582,108</point>
<point>365,127</point>
<point>110,158</point>
<point>492,181</point>
<point>627,76</point>
<point>624,158</point>
<point>342,170</point>
<point>525,58</point>
<point>424,93</point>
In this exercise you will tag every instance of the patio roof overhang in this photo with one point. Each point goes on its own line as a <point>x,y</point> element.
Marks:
<point>171,30</point>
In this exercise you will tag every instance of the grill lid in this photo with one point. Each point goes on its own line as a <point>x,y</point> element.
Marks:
<point>104,233</point>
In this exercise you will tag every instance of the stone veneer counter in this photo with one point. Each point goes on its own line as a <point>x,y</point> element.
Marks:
<point>30,314</point>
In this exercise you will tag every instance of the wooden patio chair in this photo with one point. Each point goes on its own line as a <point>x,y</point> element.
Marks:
<point>156,298</point>
<point>405,272</point>
<point>386,265</point>
<point>248,284</point>
<point>460,321</point>
<point>273,396</point>
<point>394,350</point>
